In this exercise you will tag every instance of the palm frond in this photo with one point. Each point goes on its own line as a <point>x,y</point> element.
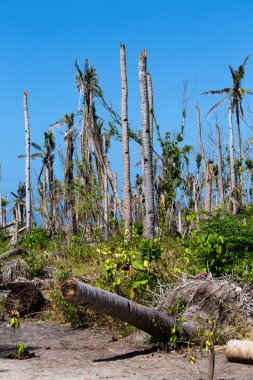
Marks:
<point>213,92</point>
<point>36,146</point>
<point>214,107</point>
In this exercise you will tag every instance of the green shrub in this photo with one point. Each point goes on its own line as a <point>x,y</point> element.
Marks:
<point>222,244</point>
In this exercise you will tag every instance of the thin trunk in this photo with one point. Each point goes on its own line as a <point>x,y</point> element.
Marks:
<point>105,198</point>
<point>27,169</point>
<point>125,146</point>
<point>1,216</point>
<point>231,156</point>
<point>149,232</point>
<point>219,159</point>
<point>209,175</point>
<point>149,320</point>
<point>151,106</point>
<point>201,147</point>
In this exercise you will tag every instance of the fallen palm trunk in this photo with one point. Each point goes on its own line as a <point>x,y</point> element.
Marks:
<point>12,252</point>
<point>146,319</point>
<point>240,351</point>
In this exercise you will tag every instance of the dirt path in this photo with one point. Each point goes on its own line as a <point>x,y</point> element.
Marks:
<point>64,353</point>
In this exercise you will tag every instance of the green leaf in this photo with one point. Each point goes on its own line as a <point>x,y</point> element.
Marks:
<point>136,284</point>
<point>138,265</point>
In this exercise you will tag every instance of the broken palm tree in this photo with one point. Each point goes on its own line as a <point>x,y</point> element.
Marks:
<point>149,320</point>
<point>222,300</point>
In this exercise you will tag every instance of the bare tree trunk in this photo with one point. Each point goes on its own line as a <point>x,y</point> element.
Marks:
<point>201,147</point>
<point>1,214</point>
<point>151,106</point>
<point>232,158</point>
<point>149,320</point>
<point>27,170</point>
<point>105,183</point>
<point>149,232</point>
<point>125,146</point>
<point>209,175</point>
<point>219,159</point>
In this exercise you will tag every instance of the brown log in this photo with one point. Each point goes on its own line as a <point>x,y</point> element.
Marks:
<point>144,318</point>
<point>240,351</point>
<point>12,252</point>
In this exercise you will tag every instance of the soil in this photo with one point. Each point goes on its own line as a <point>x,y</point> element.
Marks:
<point>65,353</point>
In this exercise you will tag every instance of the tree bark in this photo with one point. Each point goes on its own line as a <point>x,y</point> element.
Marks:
<point>209,175</point>
<point>201,147</point>
<point>27,169</point>
<point>125,146</point>
<point>146,319</point>
<point>219,159</point>
<point>232,157</point>
<point>149,232</point>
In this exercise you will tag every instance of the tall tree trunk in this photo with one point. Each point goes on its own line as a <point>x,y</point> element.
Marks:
<point>1,214</point>
<point>149,232</point>
<point>233,196</point>
<point>151,106</point>
<point>27,169</point>
<point>149,320</point>
<point>209,175</point>
<point>219,159</point>
<point>201,147</point>
<point>105,195</point>
<point>125,146</point>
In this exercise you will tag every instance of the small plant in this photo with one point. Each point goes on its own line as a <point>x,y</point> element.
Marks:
<point>21,349</point>
<point>72,313</point>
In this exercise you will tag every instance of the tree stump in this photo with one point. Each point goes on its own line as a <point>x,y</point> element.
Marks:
<point>25,298</point>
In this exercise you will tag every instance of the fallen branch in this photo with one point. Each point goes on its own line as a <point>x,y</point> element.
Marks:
<point>12,252</point>
<point>146,319</point>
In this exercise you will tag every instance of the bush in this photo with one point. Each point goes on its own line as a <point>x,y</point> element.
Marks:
<point>222,244</point>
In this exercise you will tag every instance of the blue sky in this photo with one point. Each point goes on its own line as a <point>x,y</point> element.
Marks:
<point>185,40</point>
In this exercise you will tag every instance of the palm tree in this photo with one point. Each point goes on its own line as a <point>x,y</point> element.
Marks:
<point>46,153</point>
<point>27,169</point>
<point>125,146</point>
<point>209,175</point>
<point>151,321</point>
<point>219,159</point>
<point>234,96</point>
<point>147,150</point>
<point>19,204</point>
<point>69,198</point>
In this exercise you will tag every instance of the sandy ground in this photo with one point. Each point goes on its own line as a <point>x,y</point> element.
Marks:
<point>64,353</point>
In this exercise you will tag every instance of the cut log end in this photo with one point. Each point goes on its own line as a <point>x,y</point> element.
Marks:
<point>70,290</point>
<point>240,351</point>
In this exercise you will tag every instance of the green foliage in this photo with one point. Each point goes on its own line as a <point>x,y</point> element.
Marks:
<point>20,349</point>
<point>223,244</point>
<point>14,320</point>
<point>36,264</point>
<point>73,314</point>
<point>38,239</point>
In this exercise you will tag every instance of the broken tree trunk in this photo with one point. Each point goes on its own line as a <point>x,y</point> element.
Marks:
<point>240,351</point>
<point>146,319</point>
<point>12,252</point>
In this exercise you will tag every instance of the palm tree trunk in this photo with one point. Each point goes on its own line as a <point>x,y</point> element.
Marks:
<point>151,106</point>
<point>1,215</point>
<point>209,175</point>
<point>219,159</point>
<point>125,146</point>
<point>27,169</point>
<point>149,232</point>
<point>146,319</point>
<point>231,156</point>
<point>105,195</point>
<point>201,147</point>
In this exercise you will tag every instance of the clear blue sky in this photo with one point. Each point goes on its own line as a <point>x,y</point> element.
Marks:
<point>192,40</point>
